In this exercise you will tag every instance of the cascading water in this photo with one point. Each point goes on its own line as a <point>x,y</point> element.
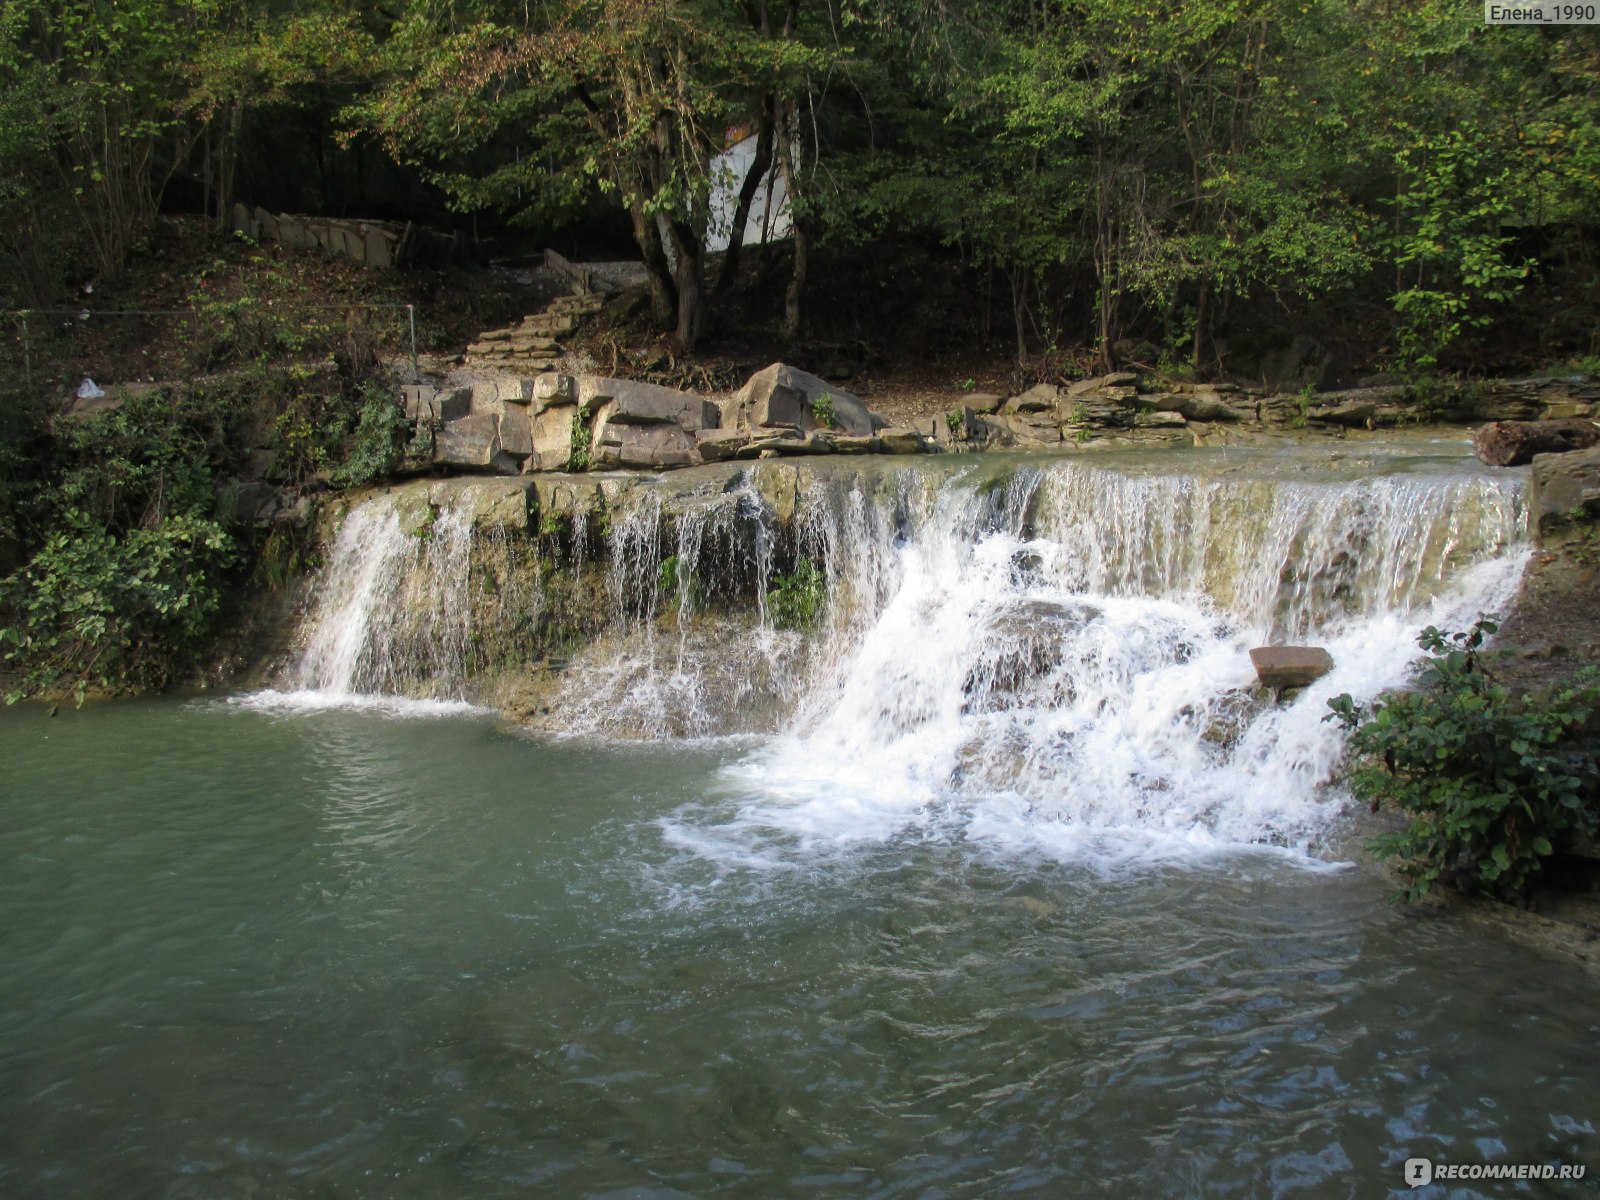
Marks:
<point>1058,656</point>
<point>390,614</point>
<point>1054,652</point>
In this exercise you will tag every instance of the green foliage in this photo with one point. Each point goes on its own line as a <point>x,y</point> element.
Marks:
<point>96,610</point>
<point>822,409</point>
<point>582,431</point>
<point>797,600</point>
<point>667,578</point>
<point>676,582</point>
<point>953,419</point>
<point>1490,781</point>
<point>1456,199</point>
<point>379,440</point>
<point>125,581</point>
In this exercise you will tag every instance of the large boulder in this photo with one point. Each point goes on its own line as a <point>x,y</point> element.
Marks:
<point>1041,398</point>
<point>643,425</point>
<point>1514,443</point>
<point>1565,498</point>
<point>651,447</point>
<point>634,403</point>
<point>473,444</point>
<point>552,438</point>
<point>781,396</point>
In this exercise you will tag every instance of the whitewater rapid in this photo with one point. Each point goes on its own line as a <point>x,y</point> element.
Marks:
<point>1047,656</point>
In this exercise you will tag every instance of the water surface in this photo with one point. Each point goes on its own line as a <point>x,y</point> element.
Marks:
<point>337,953</point>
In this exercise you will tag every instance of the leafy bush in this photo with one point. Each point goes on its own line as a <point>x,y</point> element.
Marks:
<point>1491,781</point>
<point>375,448</point>
<point>822,409</point>
<point>124,580</point>
<point>113,612</point>
<point>796,601</point>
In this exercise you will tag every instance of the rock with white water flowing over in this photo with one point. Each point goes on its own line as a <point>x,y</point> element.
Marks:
<point>1048,651</point>
<point>1279,667</point>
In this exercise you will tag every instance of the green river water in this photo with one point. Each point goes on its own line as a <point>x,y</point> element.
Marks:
<point>337,953</point>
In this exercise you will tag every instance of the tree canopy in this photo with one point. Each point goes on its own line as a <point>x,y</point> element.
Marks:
<point>1126,166</point>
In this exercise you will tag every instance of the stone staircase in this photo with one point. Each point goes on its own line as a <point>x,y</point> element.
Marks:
<point>533,344</point>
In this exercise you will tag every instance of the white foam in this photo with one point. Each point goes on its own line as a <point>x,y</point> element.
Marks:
<point>311,701</point>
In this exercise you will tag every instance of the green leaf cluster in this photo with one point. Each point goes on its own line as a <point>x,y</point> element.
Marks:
<point>1490,781</point>
<point>798,599</point>
<point>127,579</point>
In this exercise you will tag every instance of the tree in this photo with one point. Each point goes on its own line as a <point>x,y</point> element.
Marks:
<point>534,109</point>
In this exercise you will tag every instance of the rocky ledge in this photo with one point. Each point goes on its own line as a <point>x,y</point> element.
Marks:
<point>509,424</point>
<point>555,422</point>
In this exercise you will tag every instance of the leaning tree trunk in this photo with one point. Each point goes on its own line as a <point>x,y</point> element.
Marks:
<point>753,180</point>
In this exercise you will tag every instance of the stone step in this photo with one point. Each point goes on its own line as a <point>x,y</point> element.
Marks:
<point>591,303</point>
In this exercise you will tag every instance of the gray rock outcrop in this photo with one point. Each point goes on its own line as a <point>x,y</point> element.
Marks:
<point>784,397</point>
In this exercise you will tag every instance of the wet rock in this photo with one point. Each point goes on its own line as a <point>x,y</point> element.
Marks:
<point>778,485</point>
<point>1280,667</point>
<point>498,504</point>
<point>901,441</point>
<point>1514,443</point>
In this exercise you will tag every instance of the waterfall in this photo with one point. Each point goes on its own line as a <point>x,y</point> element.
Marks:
<point>1058,656</point>
<point>1036,645</point>
<point>389,616</point>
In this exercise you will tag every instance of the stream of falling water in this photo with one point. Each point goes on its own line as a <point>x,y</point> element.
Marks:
<point>1051,654</point>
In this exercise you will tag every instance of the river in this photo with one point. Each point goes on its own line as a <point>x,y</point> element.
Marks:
<point>946,930</point>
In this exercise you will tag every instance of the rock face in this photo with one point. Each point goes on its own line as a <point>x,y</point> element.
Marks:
<point>512,425</point>
<point>1514,443</point>
<point>1565,495</point>
<point>782,397</point>
<point>1290,666</point>
<point>642,425</point>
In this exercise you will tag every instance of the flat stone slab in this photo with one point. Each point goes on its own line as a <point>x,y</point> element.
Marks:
<point>1290,666</point>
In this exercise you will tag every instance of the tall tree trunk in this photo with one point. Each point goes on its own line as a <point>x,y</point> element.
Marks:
<point>690,279</point>
<point>663,291</point>
<point>759,166</point>
<point>1019,311</point>
<point>786,133</point>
